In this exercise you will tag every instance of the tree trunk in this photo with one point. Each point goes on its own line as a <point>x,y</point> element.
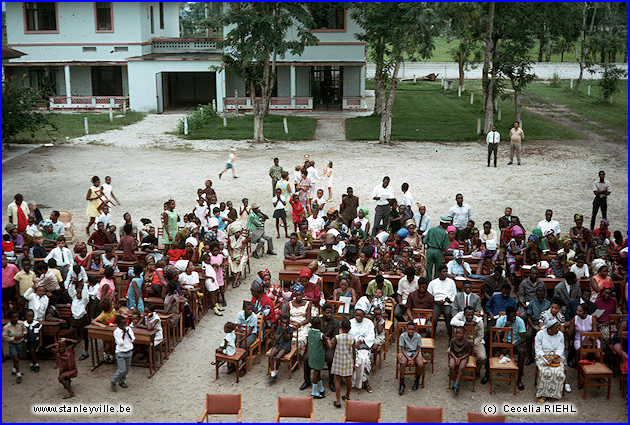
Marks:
<point>585,42</point>
<point>562,56</point>
<point>576,89</point>
<point>379,83</point>
<point>548,50</point>
<point>486,83</point>
<point>540,50</point>
<point>385,136</point>
<point>259,119</point>
<point>517,105</point>
<point>461,70</point>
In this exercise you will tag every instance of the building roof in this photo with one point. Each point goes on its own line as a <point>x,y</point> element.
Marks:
<point>200,56</point>
<point>9,53</point>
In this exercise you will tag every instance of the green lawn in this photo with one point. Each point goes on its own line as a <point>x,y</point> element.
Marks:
<point>424,111</point>
<point>71,125</point>
<point>593,107</point>
<point>300,128</point>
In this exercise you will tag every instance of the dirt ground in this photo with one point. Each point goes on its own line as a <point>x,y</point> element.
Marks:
<point>557,175</point>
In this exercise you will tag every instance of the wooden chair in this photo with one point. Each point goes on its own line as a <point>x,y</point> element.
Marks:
<point>338,307</point>
<point>596,374</point>
<point>389,323</point>
<point>470,372</point>
<point>270,335</point>
<point>477,418</point>
<point>362,411</point>
<point>66,218</point>
<point>237,359</point>
<point>499,338</point>
<point>428,343</point>
<point>292,358</point>
<point>411,367</point>
<point>294,407</point>
<point>255,350</point>
<point>222,404</point>
<point>424,415</point>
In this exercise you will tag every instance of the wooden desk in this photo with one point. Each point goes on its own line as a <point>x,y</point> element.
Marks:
<point>311,254</point>
<point>143,337</point>
<point>141,255</point>
<point>296,264</point>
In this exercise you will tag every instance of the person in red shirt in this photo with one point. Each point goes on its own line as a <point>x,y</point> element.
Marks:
<point>64,356</point>
<point>9,285</point>
<point>603,227</point>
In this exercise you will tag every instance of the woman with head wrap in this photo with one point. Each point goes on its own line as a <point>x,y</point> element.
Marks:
<point>406,260</point>
<point>532,253</point>
<point>273,291</point>
<point>565,244</point>
<point>605,301</point>
<point>363,220</point>
<point>263,306</point>
<point>365,262</point>
<point>82,257</point>
<point>237,252</point>
<point>311,291</point>
<point>50,237</point>
<point>542,244</point>
<point>452,243</point>
<point>515,247</point>
<point>585,246</point>
<point>473,246</point>
<point>362,330</point>
<point>299,312</point>
<point>600,278</point>
<point>550,359</point>
<point>577,232</point>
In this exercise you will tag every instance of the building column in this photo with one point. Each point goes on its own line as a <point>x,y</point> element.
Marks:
<point>362,90</point>
<point>66,72</point>
<point>293,88</point>
<point>220,89</point>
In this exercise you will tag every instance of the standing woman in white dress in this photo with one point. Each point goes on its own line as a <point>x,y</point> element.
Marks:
<point>108,192</point>
<point>328,173</point>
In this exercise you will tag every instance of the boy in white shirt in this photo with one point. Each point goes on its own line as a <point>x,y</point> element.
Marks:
<point>124,338</point>
<point>62,255</point>
<point>443,290</point>
<point>580,268</point>
<point>321,202</point>
<point>32,227</point>
<point>407,199</point>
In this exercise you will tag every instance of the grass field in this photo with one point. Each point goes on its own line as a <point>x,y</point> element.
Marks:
<point>594,107</point>
<point>300,128</point>
<point>71,125</point>
<point>424,111</point>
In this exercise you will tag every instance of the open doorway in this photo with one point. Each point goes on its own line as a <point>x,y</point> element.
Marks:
<point>186,90</point>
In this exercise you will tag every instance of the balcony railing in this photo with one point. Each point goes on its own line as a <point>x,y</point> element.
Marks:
<point>184,45</point>
<point>86,102</point>
<point>353,103</point>
<point>276,103</point>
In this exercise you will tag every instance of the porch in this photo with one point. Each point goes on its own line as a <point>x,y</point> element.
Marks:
<point>86,103</point>
<point>354,103</point>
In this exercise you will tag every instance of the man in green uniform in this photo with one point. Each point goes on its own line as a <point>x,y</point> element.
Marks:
<point>436,240</point>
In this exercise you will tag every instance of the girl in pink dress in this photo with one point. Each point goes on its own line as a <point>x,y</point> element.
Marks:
<point>216,260</point>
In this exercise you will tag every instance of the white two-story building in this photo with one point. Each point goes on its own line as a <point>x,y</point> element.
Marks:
<point>94,55</point>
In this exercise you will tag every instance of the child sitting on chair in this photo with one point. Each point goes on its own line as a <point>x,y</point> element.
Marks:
<point>458,353</point>
<point>283,337</point>
<point>379,328</point>
<point>229,344</point>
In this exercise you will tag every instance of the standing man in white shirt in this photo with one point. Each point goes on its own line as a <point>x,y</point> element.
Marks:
<point>443,290</point>
<point>516,137</point>
<point>549,224</point>
<point>492,139</point>
<point>460,213</point>
<point>601,189</point>
<point>407,199</point>
<point>62,256</point>
<point>423,221</point>
<point>382,194</point>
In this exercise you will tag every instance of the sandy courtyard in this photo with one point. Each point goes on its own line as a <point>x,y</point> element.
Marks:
<point>554,175</point>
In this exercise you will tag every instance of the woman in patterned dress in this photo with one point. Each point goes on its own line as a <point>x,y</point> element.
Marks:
<point>300,316</point>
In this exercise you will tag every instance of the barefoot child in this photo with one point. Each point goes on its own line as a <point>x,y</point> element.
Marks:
<point>379,328</point>
<point>64,356</point>
<point>343,364</point>
<point>14,333</point>
<point>229,340</point>
<point>216,259</point>
<point>230,164</point>
<point>316,357</point>
<point>211,283</point>
<point>33,340</point>
<point>124,338</point>
<point>279,212</point>
<point>283,337</point>
<point>108,312</point>
<point>459,351</point>
<point>410,343</point>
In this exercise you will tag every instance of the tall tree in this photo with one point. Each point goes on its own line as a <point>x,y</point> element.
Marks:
<point>515,64</point>
<point>464,22</point>
<point>589,10</point>
<point>486,81</point>
<point>258,34</point>
<point>401,29</point>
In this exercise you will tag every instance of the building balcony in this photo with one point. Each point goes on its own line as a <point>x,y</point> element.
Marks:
<point>276,103</point>
<point>184,45</point>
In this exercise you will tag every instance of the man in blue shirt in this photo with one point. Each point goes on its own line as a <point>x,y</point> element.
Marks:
<point>496,304</point>
<point>246,317</point>
<point>511,320</point>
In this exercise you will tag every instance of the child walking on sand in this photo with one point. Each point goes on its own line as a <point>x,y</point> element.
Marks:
<point>316,357</point>
<point>230,164</point>
<point>14,333</point>
<point>64,356</point>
